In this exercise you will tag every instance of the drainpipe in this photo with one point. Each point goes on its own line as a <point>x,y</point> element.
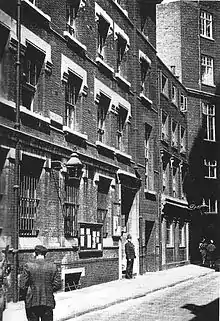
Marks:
<point>15,235</point>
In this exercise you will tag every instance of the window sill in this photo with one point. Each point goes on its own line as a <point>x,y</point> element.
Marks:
<point>211,178</point>
<point>36,10</point>
<point>34,114</point>
<point>122,154</point>
<point>208,38</point>
<point>104,65</point>
<point>209,140</point>
<point>208,85</point>
<point>149,194</point>
<point>69,131</point>
<point>122,79</point>
<point>145,100</point>
<point>74,41</point>
<point>107,148</point>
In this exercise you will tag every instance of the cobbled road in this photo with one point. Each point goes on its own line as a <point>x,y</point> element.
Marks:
<point>196,300</point>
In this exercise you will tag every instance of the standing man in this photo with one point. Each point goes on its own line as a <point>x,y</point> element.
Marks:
<point>211,253</point>
<point>130,256</point>
<point>39,280</point>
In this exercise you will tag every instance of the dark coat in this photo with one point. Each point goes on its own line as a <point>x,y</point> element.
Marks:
<point>129,250</point>
<point>38,282</point>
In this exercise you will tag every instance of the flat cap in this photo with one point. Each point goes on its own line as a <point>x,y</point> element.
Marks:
<point>40,249</point>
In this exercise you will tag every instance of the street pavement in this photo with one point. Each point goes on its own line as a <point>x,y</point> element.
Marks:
<point>96,297</point>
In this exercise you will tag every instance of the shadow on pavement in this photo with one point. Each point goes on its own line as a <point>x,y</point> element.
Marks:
<point>206,312</point>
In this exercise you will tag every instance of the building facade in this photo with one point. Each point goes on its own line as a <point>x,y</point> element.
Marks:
<point>175,217</point>
<point>188,40</point>
<point>80,130</point>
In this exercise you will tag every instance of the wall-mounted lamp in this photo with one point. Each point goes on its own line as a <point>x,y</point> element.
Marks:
<point>74,166</point>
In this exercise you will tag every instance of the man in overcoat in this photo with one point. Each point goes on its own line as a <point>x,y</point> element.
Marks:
<point>130,256</point>
<point>39,280</point>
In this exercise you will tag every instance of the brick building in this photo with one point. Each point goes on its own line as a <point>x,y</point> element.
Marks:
<point>172,106</point>
<point>80,123</point>
<point>188,39</point>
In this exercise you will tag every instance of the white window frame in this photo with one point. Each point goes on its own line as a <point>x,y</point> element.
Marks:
<point>174,134</point>
<point>182,235</point>
<point>174,94</point>
<point>165,88</point>
<point>183,103</point>
<point>169,234</point>
<point>211,167</point>
<point>209,114</point>
<point>212,204</point>
<point>206,24</point>
<point>164,127</point>
<point>182,139</point>
<point>145,64</point>
<point>148,176</point>
<point>207,71</point>
<point>175,181</point>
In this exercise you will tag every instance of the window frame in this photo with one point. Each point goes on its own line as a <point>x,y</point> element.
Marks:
<point>205,18</point>
<point>207,70</point>
<point>85,229</point>
<point>122,115</point>
<point>165,127</point>
<point>182,235</point>
<point>209,167</point>
<point>148,182</point>
<point>209,121</point>
<point>212,203</point>
<point>175,132</point>
<point>169,234</point>
<point>174,94</point>
<point>165,87</point>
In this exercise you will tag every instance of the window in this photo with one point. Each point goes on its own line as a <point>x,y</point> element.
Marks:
<point>29,200</point>
<point>145,70</point>
<point>148,177</point>
<point>165,128</point>
<point>175,181</point>
<point>174,95</point>
<point>174,134</point>
<point>165,177</point>
<point>90,236</point>
<point>102,204</point>
<point>32,65</point>
<point>72,7</point>
<point>183,103</point>
<point>182,140</point>
<point>73,86</point>
<point>207,70</point>
<point>212,204</point>
<point>103,29</point>
<point>165,89</point>
<point>169,233</point>
<point>182,177</point>
<point>182,235</point>
<point>71,207</point>
<point>210,168</point>
<point>209,121</point>
<point>4,33</point>
<point>121,118</point>
<point>206,24</point>
<point>122,56</point>
<point>102,111</point>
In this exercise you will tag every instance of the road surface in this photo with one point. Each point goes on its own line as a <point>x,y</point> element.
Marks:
<point>196,300</point>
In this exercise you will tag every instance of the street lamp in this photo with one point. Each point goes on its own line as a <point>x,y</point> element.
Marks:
<point>74,166</point>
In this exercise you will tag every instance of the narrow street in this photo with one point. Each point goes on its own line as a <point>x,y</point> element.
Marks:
<point>196,300</point>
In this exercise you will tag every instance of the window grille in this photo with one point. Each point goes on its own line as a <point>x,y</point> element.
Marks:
<point>71,208</point>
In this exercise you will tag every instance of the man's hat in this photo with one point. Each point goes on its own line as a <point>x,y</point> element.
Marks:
<point>40,249</point>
